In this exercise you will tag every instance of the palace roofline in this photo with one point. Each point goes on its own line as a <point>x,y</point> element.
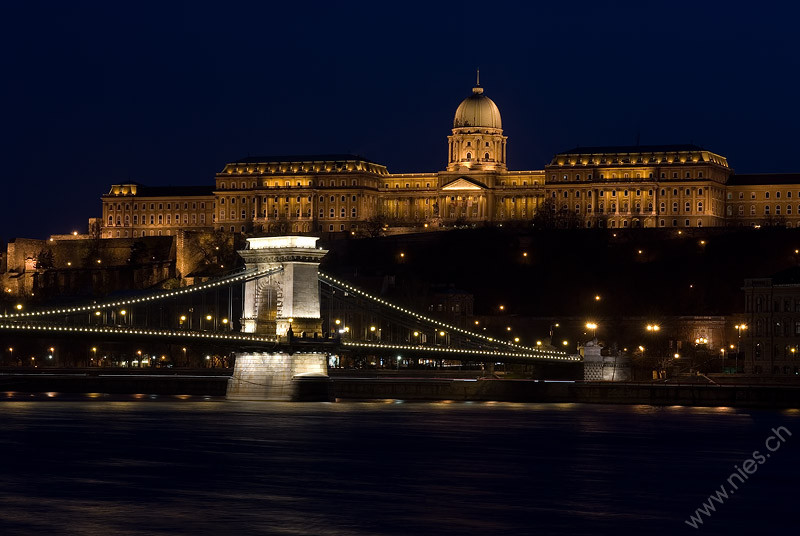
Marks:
<point>280,159</point>
<point>635,149</point>
<point>160,191</point>
<point>764,178</point>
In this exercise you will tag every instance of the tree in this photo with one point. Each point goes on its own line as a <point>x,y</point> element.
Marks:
<point>550,217</point>
<point>44,259</point>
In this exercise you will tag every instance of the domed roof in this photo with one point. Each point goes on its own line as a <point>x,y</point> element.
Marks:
<point>477,110</point>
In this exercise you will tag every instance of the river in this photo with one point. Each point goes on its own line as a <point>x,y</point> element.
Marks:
<point>169,466</point>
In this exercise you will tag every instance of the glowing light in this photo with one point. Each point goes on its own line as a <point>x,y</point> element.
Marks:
<point>591,325</point>
<point>597,298</point>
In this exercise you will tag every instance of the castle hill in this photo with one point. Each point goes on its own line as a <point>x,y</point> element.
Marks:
<point>685,268</point>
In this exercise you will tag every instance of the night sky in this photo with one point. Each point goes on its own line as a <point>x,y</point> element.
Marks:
<point>95,93</point>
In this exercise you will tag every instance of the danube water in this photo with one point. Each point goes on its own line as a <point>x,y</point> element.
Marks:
<point>167,466</point>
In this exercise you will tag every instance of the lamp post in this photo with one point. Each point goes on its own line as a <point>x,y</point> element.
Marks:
<point>593,327</point>
<point>739,329</point>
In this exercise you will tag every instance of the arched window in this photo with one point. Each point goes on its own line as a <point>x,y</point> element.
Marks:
<point>469,155</point>
<point>486,156</point>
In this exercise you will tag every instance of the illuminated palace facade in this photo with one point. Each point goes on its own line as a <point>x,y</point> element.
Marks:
<point>613,187</point>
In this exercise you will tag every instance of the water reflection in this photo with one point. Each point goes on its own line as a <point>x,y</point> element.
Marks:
<point>137,465</point>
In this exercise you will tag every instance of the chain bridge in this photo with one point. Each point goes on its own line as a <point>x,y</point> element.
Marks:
<point>283,320</point>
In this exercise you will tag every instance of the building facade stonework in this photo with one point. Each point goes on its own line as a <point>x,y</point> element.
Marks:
<point>612,187</point>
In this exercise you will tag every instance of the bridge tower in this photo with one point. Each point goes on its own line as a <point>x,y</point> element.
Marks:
<point>284,304</point>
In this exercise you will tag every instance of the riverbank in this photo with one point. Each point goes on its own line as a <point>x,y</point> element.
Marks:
<point>214,383</point>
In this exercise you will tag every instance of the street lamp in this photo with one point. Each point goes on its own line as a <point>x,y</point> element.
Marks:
<point>739,329</point>
<point>593,327</point>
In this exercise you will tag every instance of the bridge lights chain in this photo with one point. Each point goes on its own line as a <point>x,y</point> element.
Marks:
<point>349,288</point>
<point>246,275</point>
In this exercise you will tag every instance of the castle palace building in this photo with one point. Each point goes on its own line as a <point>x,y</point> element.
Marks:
<point>611,187</point>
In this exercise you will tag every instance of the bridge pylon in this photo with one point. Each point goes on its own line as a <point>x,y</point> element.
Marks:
<point>284,304</point>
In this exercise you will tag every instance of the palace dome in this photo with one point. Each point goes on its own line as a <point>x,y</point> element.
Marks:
<point>477,110</point>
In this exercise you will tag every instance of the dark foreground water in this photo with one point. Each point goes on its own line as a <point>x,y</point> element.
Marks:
<point>217,467</point>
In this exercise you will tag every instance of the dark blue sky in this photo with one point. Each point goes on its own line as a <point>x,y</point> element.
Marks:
<point>95,93</point>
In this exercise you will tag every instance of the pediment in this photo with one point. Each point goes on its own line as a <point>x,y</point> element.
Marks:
<point>463,183</point>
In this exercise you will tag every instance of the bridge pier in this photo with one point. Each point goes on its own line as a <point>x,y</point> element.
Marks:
<point>285,304</point>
